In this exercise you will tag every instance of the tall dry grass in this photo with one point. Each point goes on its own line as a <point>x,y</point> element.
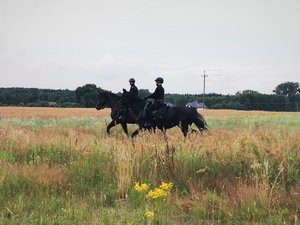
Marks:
<point>246,170</point>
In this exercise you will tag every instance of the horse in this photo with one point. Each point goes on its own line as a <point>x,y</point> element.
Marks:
<point>113,101</point>
<point>171,116</point>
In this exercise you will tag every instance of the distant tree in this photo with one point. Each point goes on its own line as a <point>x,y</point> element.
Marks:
<point>287,98</point>
<point>143,93</point>
<point>289,89</point>
<point>87,95</point>
<point>247,92</point>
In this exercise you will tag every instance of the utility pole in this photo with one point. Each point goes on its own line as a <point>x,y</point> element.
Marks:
<point>204,77</point>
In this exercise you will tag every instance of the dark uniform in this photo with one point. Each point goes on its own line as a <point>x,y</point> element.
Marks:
<point>134,90</point>
<point>158,96</point>
<point>123,108</point>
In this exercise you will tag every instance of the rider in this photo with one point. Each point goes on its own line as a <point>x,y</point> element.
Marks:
<point>133,89</point>
<point>158,96</point>
<point>123,108</point>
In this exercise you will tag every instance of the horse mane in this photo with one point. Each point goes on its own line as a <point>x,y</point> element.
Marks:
<point>109,93</point>
<point>136,99</point>
<point>133,98</point>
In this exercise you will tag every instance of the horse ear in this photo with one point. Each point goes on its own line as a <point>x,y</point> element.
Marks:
<point>124,90</point>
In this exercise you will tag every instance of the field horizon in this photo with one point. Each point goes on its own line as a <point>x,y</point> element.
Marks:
<point>48,112</point>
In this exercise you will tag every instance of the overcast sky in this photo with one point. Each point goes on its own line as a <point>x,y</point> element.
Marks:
<point>63,44</point>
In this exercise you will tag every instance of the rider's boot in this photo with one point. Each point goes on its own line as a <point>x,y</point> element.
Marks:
<point>146,119</point>
<point>122,115</point>
<point>121,118</point>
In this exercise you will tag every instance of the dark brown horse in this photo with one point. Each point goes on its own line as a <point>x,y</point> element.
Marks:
<point>170,117</point>
<point>113,101</point>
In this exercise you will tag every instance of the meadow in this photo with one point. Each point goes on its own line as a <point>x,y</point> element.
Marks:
<point>58,166</point>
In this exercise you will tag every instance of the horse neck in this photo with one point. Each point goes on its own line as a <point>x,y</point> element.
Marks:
<point>138,104</point>
<point>113,101</point>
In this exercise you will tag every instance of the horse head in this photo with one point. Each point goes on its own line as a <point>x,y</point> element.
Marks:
<point>102,100</point>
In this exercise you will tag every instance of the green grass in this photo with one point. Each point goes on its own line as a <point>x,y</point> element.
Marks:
<point>67,171</point>
<point>33,123</point>
<point>266,121</point>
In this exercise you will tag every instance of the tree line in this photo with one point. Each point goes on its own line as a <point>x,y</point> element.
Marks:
<point>286,97</point>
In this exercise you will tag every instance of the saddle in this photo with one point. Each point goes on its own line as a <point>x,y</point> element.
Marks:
<point>161,112</point>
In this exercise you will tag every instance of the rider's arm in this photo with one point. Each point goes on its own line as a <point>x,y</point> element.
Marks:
<point>154,95</point>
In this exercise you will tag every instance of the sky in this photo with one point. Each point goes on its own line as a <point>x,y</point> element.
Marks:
<point>64,44</point>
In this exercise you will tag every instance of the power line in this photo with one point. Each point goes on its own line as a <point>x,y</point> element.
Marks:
<point>204,77</point>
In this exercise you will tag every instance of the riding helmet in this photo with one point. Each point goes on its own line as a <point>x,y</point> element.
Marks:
<point>159,79</point>
<point>132,80</point>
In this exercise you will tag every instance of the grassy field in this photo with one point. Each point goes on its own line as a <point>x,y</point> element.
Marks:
<point>58,166</point>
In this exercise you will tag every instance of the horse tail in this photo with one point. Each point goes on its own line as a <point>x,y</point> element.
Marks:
<point>200,122</point>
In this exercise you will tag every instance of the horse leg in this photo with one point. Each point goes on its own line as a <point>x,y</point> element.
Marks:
<point>153,129</point>
<point>124,126</point>
<point>110,125</point>
<point>165,134</point>
<point>184,129</point>
<point>135,133</point>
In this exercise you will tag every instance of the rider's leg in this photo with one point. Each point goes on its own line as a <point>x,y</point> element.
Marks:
<point>146,115</point>
<point>123,113</point>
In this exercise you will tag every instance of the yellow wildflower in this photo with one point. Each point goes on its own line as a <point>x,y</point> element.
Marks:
<point>157,193</point>
<point>141,188</point>
<point>144,186</point>
<point>166,186</point>
<point>149,214</point>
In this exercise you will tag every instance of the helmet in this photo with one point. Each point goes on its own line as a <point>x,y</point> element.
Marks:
<point>132,80</point>
<point>159,79</point>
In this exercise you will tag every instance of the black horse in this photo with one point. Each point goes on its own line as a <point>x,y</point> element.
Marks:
<point>168,117</point>
<point>113,101</point>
